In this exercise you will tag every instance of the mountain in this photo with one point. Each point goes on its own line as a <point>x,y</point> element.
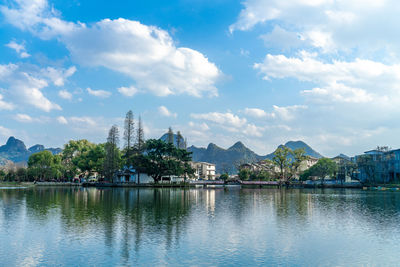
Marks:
<point>293,145</point>
<point>227,159</point>
<point>15,150</point>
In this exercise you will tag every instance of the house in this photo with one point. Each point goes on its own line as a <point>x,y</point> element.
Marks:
<point>381,165</point>
<point>130,175</point>
<point>203,170</point>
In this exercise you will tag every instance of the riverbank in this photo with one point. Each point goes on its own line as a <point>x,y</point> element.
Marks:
<point>16,184</point>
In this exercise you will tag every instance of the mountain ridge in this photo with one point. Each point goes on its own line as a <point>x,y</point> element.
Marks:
<point>227,159</point>
<point>15,150</point>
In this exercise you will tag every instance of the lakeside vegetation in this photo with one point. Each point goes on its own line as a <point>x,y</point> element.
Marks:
<point>83,159</point>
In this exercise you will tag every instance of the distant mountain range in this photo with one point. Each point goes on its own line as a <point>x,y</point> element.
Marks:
<point>227,159</point>
<point>15,150</point>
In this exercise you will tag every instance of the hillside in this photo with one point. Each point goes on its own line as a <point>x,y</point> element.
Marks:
<point>228,159</point>
<point>15,150</point>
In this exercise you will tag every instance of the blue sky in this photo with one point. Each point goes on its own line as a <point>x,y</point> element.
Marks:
<point>261,71</point>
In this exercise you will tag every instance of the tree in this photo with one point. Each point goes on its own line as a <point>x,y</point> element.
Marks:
<point>224,177</point>
<point>179,140</point>
<point>129,135</point>
<point>170,136</point>
<point>45,166</point>
<point>244,174</point>
<point>281,160</point>
<point>112,154</point>
<point>74,157</point>
<point>323,168</point>
<point>140,141</point>
<point>164,159</point>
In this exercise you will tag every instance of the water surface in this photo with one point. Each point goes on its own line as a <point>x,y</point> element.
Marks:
<point>196,227</point>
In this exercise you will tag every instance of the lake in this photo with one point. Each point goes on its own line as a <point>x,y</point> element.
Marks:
<point>62,226</point>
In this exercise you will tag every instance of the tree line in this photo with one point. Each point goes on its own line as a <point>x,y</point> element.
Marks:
<point>83,158</point>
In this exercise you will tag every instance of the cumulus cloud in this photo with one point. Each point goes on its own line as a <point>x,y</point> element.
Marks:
<point>26,84</point>
<point>128,91</point>
<point>24,118</point>
<point>324,24</point>
<point>145,53</point>
<point>65,94</point>
<point>99,93</point>
<point>19,48</point>
<point>165,112</point>
<point>58,76</point>
<point>62,120</point>
<point>256,112</point>
<point>354,81</point>
<point>224,119</point>
<point>5,105</point>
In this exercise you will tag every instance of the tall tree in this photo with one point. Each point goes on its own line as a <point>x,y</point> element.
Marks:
<point>140,141</point>
<point>170,136</point>
<point>164,159</point>
<point>281,160</point>
<point>112,154</point>
<point>129,135</point>
<point>179,140</point>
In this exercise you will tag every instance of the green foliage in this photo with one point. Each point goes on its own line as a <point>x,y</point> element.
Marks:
<point>244,174</point>
<point>164,159</point>
<point>45,166</point>
<point>323,168</point>
<point>224,176</point>
<point>288,162</point>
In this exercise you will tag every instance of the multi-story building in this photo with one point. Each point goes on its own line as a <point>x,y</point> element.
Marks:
<point>204,170</point>
<point>381,165</point>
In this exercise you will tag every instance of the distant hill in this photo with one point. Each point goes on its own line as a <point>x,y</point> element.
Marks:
<point>296,145</point>
<point>15,150</point>
<point>227,159</point>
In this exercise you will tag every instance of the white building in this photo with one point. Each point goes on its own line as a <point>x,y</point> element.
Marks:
<point>203,170</point>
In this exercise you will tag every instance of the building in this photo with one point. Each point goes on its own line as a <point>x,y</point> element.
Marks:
<point>203,170</point>
<point>381,165</point>
<point>131,176</point>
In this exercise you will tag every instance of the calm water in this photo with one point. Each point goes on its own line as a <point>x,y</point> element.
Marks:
<point>231,227</point>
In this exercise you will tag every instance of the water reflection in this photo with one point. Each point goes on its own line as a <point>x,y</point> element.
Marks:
<point>206,226</point>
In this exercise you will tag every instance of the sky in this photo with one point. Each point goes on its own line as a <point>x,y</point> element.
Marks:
<point>264,72</point>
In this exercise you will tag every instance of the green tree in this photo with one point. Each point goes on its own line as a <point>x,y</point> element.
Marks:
<point>45,166</point>
<point>74,157</point>
<point>244,174</point>
<point>164,159</point>
<point>323,168</point>
<point>282,161</point>
<point>170,136</point>
<point>112,154</point>
<point>224,177</point>
<point>129,137</point>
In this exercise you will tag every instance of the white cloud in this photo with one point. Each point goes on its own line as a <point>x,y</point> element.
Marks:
<point>19,48</point>
<point>58,76</point>
<point>5,105</point>
<point>128,91</point>
<point>357,81</point>
<point>325,24</point>
<point>62,120</point>
<point>256,112</point>
<point>65,94</point>
<point>165,112</point>
<point>223,119</point>
<point>99,93</point>
<point>24,118</point>
<point>87,121</point>
<point>5,131</point>
<point>287,113</point>
<point>147,54</point>
<point>26,86</point>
